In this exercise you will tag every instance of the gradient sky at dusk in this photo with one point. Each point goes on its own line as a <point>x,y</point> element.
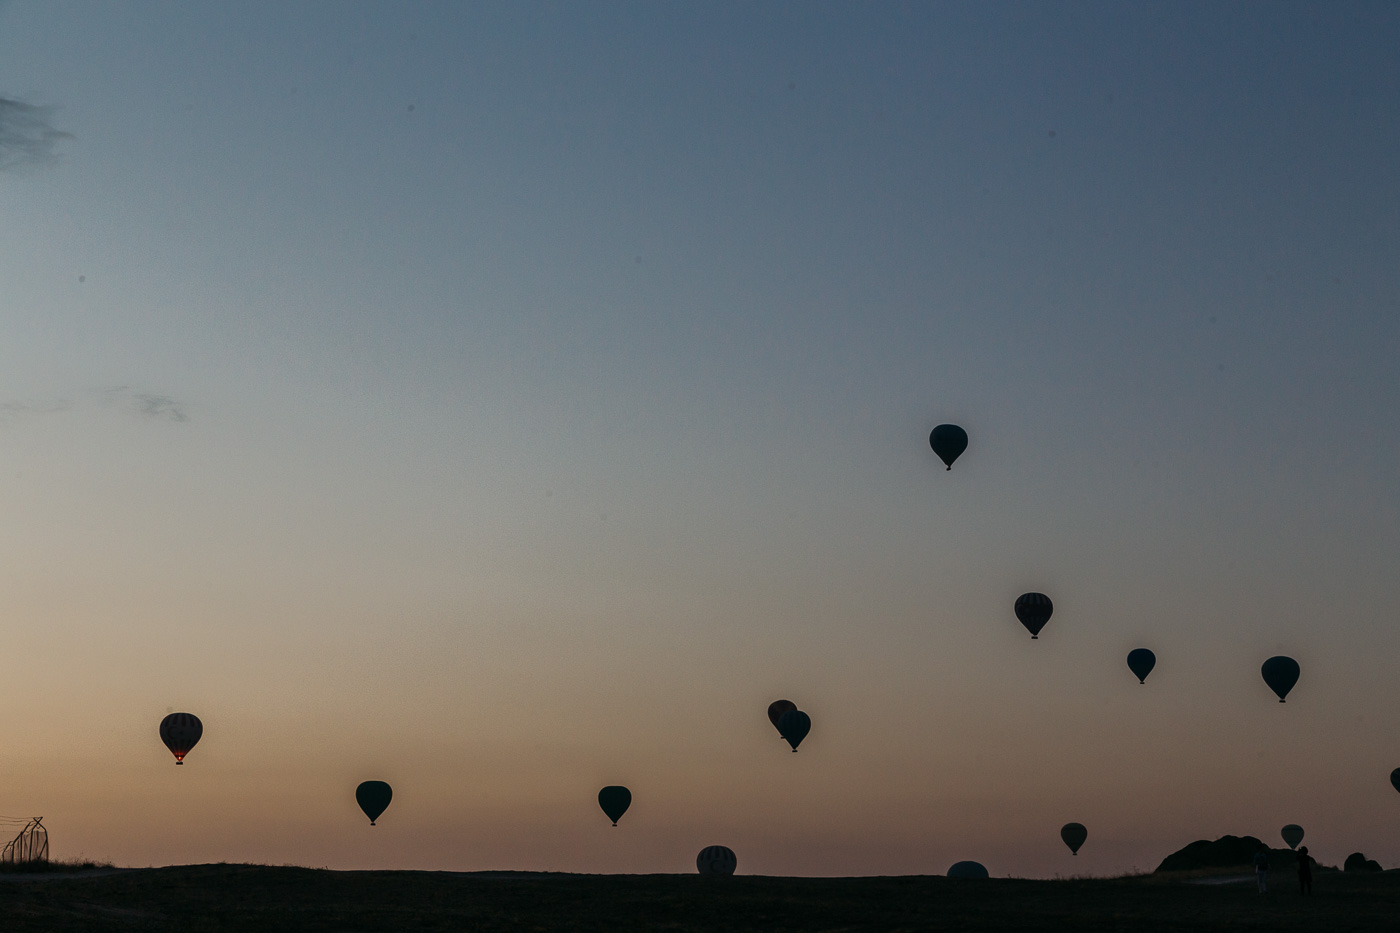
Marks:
<point>505,400</point>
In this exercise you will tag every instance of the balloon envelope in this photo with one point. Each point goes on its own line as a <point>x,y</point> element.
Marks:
<point>967,870</point>
<point>1280,673</point>
<point>1140,662</point>
<point>948,441</point>
<point>716,860</point>
<point>614,799</point>
<point>1074,835</point>
<point>1034,609</point>
<point>1292,834</point>
<point>373,798</point>
<point>794,726</point>
<point>777,708</point>
<point>180,732</point>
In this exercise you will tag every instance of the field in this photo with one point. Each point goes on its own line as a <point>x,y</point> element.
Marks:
<point>198,898</point>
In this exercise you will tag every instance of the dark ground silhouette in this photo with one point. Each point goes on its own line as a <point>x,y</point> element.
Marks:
<point>247,897</point>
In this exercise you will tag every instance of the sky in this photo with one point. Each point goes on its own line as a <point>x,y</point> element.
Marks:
<point>505,400</point>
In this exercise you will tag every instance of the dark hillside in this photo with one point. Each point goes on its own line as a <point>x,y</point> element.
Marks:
<point>1233,852</point>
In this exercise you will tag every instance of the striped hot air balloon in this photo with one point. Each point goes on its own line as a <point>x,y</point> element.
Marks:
<point>180,732</point>
<point>716,860</point>
<point>1033,609</point>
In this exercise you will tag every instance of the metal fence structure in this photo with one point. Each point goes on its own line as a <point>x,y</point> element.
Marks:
<point>31,845</point>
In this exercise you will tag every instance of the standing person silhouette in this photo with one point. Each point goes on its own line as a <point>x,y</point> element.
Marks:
<point>1304,871</point>
<point>1261,867</point>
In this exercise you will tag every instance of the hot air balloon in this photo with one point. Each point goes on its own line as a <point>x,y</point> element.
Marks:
<point>948,441</point>
<point>1280,673</point>
<point>1395,779</point>
<point>1292,834</point>
<point>614,799</point>
<point>1140,662</point>
<point>794,726</point>
<point>373,798</point>
<point>180,732</point>
<point>967,870</point>
<point>1074,835</point>
<point>716,860</point>
<point>777,708</point>
<point>1034,609</point>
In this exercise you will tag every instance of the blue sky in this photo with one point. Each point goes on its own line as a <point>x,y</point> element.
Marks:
<point>471,366</point>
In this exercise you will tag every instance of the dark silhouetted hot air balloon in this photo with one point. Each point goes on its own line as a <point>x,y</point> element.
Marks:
<point>180,732</point>
<point>967,870</point>
<point>1292,834</point>
<point>1140,662</point>
<point>614,799</point>
<point>794,726</point>
<point>373,798</point>
<point>777,708</point>
<point>716,860</point>
<point>1395,779</point>
<point>1034,609</point>
<point>948,441</point>
<point>1280,673</point>
<point>1074,835</point>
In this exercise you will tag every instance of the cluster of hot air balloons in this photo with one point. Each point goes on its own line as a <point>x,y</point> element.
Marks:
<point>712,860</point>
<point>792,724</point>
<point>1033,610</point>
<point>182,731</point>
<point>1072,834</point>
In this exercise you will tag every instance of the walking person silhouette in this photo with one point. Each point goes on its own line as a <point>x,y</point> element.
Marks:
<point>1261,867</point>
